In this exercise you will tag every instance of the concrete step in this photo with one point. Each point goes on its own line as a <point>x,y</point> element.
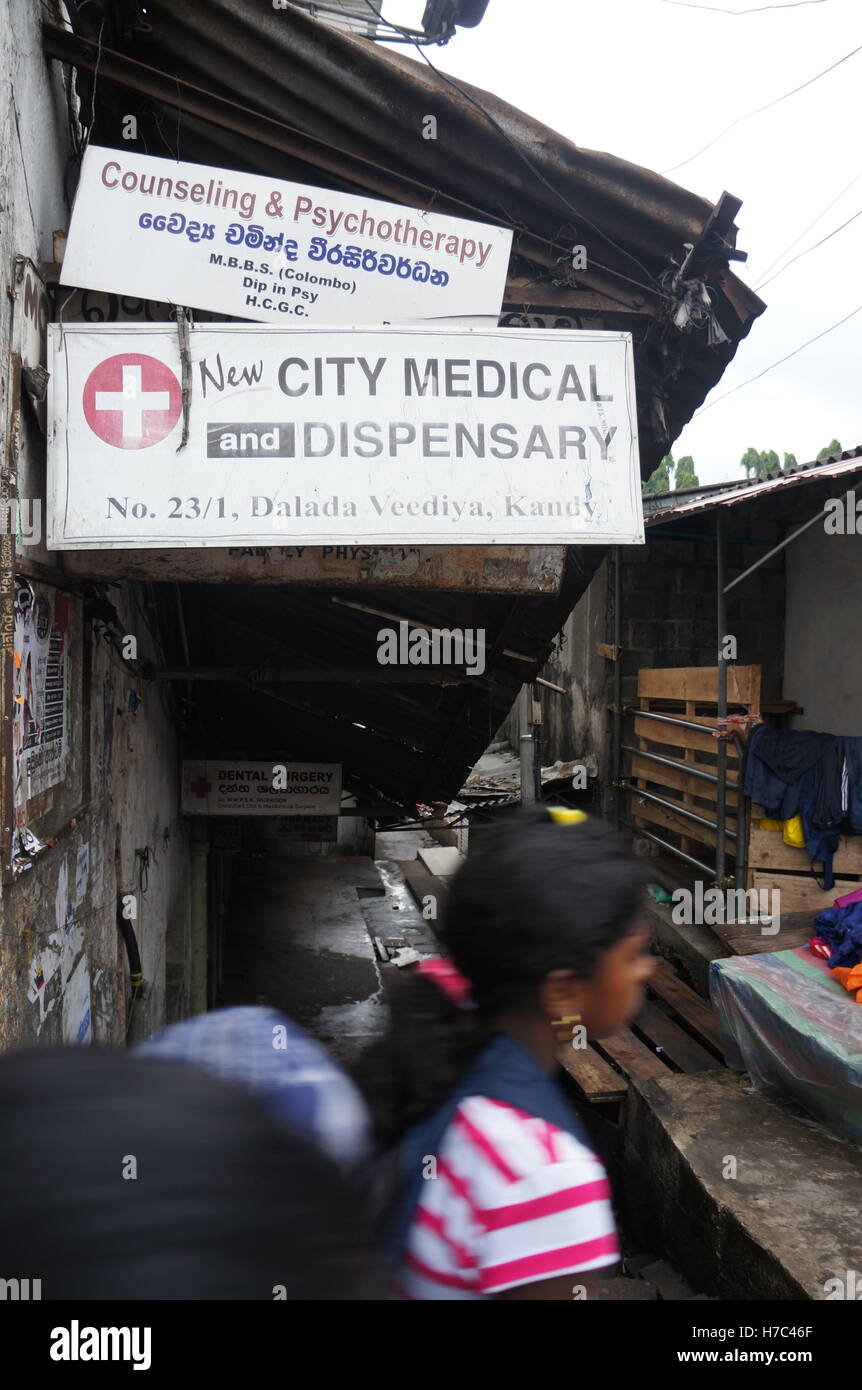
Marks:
<point>788,1221</point>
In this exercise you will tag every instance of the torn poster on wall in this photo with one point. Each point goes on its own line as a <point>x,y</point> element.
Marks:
<point>77,1015</point>
<point>40,737</point>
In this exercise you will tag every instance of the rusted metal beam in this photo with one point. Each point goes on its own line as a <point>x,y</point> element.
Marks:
<point>486,569</point>
<point>348,167</point>
<point>524,293</point>
<point>112,66</point>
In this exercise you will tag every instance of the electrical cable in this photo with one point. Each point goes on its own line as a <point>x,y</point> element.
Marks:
<point>534,169</point>
<point>806,230</point>
<point>770,368</point>
<point>757,9</point>
<point>760,109</point>
<point>828,237</point>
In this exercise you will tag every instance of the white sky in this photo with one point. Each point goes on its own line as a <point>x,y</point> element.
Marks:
<point>652,82</point>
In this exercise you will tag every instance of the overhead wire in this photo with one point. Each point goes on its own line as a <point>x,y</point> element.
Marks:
<point>757,9</point>
<point>806,230</point>
<point>534,169</point>
<point>773,365</point>
<point>749,115</point>
<point>808,249</point>
<point>760,109</point>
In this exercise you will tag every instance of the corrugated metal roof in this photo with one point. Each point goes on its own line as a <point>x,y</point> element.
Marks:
<point>690,500</point>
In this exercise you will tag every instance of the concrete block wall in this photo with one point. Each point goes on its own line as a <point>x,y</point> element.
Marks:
<point>669,608</point>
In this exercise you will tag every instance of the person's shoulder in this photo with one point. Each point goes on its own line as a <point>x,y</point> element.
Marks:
<point>513,1144</point>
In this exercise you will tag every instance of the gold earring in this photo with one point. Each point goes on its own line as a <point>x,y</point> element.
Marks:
<point>563,1026</point>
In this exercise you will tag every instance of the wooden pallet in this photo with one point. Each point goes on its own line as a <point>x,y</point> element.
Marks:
<point>687,692</point>
<point>675,1031</point>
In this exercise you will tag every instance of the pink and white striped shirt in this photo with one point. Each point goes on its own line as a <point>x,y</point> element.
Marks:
<point>514,1200</point>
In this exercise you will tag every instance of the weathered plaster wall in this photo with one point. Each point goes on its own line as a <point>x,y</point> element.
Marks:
<point>59,916</point>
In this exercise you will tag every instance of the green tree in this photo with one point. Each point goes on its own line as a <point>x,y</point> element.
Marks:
<point>685,474</point>
<point>760,464</point>
<point>659,479</point>
<point>790,462</point>
<point>833,448</point>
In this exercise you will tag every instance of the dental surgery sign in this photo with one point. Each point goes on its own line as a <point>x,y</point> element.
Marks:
<point>254,248</point>
<point>393,435</point>
<point>261,789</point>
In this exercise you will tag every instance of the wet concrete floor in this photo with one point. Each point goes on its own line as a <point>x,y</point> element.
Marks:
<point>301,939</point>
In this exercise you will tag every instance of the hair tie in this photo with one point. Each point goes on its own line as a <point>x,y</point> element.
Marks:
<point>453,984</point>
<point>566,815</point>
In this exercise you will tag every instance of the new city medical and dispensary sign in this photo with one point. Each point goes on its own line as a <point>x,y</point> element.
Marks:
<point>253,247</point>
<point>393,435</point>
<point>261,789</point>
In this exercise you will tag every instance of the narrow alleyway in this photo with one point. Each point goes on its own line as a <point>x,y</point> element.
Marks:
<point>301,935</point>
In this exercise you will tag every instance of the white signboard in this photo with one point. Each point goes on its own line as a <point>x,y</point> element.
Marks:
<point>261,789</point>
<point>394,435</point>
<point>257,248</point>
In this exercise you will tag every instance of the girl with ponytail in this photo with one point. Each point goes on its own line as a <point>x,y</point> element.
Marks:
<point>497,1190</point>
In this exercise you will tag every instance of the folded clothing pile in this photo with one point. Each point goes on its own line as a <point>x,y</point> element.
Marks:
<point>839,940</point>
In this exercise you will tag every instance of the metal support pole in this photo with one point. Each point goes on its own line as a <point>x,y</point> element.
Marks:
<point>198,881</point>
<point>818,516</point>
<point>618,687</point>
<point>667,718</point>
<point>743,815</point>
<point>689,769</point>
<point>640,792</point>
<point>527,748</point>
<point>672,849</point>
<point>721,624</point>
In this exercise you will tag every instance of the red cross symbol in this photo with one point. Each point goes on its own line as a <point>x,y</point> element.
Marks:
<point>132,401</point>
<point>200,786</point>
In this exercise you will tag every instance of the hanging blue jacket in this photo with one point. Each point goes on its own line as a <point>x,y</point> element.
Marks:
<point>853,754</point>
<point>790,772</point>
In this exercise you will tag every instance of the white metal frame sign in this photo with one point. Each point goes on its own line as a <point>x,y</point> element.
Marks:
<point>362,436</point>
<point>276,252</point>
<point>261,789</point>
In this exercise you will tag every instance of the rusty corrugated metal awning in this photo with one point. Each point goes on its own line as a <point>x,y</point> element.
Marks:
<point>239,84</point>
<point>736,494</point>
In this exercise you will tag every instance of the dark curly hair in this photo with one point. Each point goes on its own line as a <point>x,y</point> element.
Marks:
<point>533,896</point>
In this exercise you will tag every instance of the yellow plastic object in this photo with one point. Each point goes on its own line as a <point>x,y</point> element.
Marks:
<point>566,815</point>
<point>793,833</point>
<point>770,825</point>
